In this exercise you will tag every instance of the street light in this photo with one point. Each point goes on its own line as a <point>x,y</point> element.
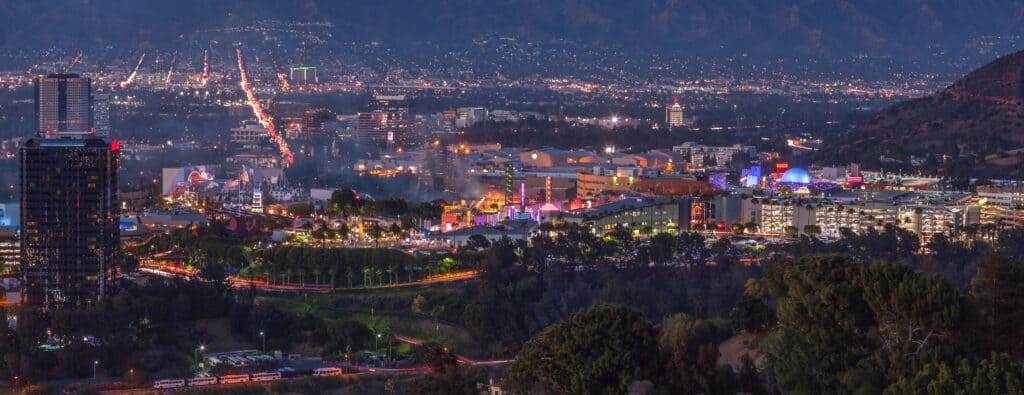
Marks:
<point>264,336</point>
<point>375,340</point>
<point>95,364</point>
<point>198,350</point>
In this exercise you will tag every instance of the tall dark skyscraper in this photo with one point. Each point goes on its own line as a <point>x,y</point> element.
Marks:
<point>69,218</point>
<point>63,104</point>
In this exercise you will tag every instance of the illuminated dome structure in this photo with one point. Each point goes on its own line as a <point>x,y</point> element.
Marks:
<point>796,175</point>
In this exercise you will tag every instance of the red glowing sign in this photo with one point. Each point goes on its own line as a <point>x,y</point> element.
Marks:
<point>115,146</point>
<point>781,167</point>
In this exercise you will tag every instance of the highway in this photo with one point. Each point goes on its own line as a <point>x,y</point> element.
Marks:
<point>170,271</point>
<point>363,371</point>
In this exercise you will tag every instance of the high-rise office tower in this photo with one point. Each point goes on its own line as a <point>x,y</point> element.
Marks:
<point>101,114</point>
<point>674,114</point>
<point>63,105</point>
<point>389,121</point>
<point>69,220</point>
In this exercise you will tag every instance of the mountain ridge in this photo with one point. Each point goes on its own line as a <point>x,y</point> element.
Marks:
<point>763,28</point>
<point>977,123</point>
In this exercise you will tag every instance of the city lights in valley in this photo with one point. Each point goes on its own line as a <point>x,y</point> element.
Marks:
<point>262,116</point>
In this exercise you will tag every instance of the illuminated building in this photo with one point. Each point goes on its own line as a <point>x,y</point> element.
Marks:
<point>1003,205</point>
<point>70,237</point>
<point>251,134</point>
<point>371,126</point>
<point>101,114</point>
<point>780,168</point>
<point>774,216</point>
<point>388,121</point>
<point>467,116</point>
<point>303,75</point>
<point>922,213</point>
<point>508,184</point>
<point>255,159</point>
<point>544,157</point>
<point>696,153</point>
<point>644,217</point>
<point>541,186</point>
<point>10,251</point>
<point>674,114</point>
<point>63,104</point>
<point>751,177</point>
<point>181,178</point>
<point>257,199</point>
<point>796,176</point>
<point>854,179</point>
<point>589,185</point>
<point>671,186</point>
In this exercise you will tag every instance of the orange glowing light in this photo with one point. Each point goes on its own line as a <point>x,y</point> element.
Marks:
<point>261,116</point>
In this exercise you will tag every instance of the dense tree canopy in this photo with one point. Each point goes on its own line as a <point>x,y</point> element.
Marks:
<point>599,350</point>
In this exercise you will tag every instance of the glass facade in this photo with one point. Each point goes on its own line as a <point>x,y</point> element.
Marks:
<point>69,218</point>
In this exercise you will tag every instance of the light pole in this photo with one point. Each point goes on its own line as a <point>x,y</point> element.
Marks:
<point>264,337</point>
<point>198,350</point>
<point>375,341</point>
<point>95,364</point>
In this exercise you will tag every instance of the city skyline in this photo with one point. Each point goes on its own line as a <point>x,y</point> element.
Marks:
<point>516,197</point>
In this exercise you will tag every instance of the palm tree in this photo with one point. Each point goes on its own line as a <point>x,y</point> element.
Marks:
<point>269,272</point>
<point>301,271</point>
<point>289,271</point>
<point>376,232</point>
<point>395,230</point>
<point>343,231</point>
<point>332,270</point>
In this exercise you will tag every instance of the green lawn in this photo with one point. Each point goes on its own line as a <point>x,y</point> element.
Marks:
<point>401,322</point>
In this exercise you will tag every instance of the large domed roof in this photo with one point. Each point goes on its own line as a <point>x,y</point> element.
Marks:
<point>796,175</point>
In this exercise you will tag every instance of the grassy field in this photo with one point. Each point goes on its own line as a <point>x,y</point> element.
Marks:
<point>220,336</point>
<point>390,313</point>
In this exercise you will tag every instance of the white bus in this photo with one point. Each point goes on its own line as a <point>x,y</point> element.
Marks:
<point>198,381</point>
<point>169,383</point>
<point>266,376</point>
<point>234,378</point>
<point>327,372</point>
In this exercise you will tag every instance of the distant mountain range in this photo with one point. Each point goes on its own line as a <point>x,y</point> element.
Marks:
<point>769,29</point>
<point>978,122</point>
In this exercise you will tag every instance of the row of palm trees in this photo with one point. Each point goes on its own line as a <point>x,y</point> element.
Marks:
<point>327,276</point>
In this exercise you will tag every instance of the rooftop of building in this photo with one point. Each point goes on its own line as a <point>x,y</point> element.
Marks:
<point>503,228</point>
<point>623,204</point>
